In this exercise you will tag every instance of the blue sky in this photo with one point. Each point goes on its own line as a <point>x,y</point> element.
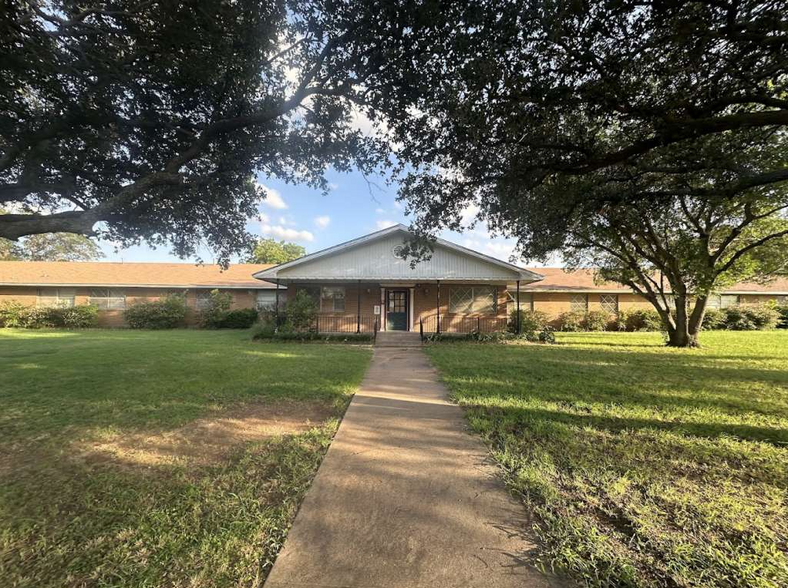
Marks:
<point>300,214</point>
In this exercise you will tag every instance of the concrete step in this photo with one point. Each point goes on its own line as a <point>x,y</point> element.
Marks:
<point>398,339</point>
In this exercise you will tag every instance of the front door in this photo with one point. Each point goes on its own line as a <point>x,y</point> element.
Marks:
<point>396,310</point>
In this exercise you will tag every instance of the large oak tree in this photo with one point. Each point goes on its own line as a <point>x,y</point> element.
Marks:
<point>145,119</point>
<point>647,135</point>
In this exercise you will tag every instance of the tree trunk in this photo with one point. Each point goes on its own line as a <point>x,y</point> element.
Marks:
<point>684,332</point>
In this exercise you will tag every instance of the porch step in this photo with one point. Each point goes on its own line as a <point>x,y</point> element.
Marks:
<point>398,339</point>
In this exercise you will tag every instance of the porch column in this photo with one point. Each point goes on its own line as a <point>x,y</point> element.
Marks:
<point>438,306</point>
<point>358,307</point>
<point>518,307</point>
<point>276,321</point>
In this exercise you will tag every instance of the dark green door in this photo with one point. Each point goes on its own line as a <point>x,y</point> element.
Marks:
<point>397,310</point>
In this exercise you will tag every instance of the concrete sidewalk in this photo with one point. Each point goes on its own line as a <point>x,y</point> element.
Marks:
<point>406,497</point>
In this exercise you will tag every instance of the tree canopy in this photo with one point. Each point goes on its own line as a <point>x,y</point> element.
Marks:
<point>273,251</point>
<point>575,126</point>
<point>148,120</point>
<point>52,247</point>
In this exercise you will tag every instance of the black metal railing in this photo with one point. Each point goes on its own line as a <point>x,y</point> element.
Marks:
<point>461,324</point>
<point>347,323</point>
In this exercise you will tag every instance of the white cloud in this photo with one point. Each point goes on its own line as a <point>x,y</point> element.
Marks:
<point>323,221</point>
<point>264,218</point>
<point>272,198</point>
<point>501,250</point>
<point>469,213</point>
<point>398,205</point>
<point>380,211</point>
<point>285,233</point>
<point>385,224</point>
<point>332,186</point>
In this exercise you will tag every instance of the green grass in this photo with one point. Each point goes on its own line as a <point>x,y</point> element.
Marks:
<point>69,518</point>
<point>646,466</point>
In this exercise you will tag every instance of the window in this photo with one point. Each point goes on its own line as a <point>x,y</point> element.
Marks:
<point>332,299</point>
<point>722,301</point>
<point>609,302</point>
<point>526,300</point>
<point>108,298</point>
<point>56,297</point>
<point>578,303</point>
<point>266,299</point>
<point>202,299</point>
<point>473,299</point>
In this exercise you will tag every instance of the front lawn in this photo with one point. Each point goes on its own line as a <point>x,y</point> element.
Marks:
<point>168,458</point>
<point>646,466</point>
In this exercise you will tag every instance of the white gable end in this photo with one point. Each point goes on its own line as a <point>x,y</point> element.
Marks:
<point>376,260</point>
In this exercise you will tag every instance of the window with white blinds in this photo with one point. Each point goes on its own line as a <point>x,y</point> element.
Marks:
<point>48,297</point>
<point>108,298</point>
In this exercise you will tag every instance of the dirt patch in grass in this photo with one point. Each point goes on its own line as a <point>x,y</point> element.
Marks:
<point>209,440</point>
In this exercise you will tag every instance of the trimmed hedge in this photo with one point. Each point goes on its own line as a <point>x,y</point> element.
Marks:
<point>168,313</point>
<point>17,315</point>
<point>264,333</point>
<point>243,318</point>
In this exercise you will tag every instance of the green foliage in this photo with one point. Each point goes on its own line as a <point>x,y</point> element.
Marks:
<point>301,312</point>
<point>590,148</point>
<point>641,319</point>
<point>16,315</point>
<point>168,313</point>
<point>714,319</point>
<point>530,321</point>
<point>214,313</point>
<point>782,310</point>
<point>265,332</point>
<point>59,247</point>
<point>174,109</point>
<point>751,317</point>
<point>81,316</point>
<point>644,467</point>
<point>572,321</point>
<point>547,335</point>
<point>242,318</point>
<point>273,251</point>
<point>598,320</point>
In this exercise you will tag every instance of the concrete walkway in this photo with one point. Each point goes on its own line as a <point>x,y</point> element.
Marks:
<point>406,497</point>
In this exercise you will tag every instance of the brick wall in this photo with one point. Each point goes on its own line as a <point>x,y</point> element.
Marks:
<point>345,321</point>
<point>114,318</point>
<point>426,305</point>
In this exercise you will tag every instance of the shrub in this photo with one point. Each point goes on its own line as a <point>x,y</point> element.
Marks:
<point>751,318</point>
<point>531,321</point>
<point>11,313</point>
<point>547,335</point>
<point>265,332</point>
<point>301,312</point>
<point>572,322</point>
<point>16,315</point>
<point>782,311</point>
<point>598,320</point>
<point>714,319</point>
<point>243,318</point>
<point>168,313</point>
<point>83,316</point>
<point>643,319</point>
<point>212,316</point>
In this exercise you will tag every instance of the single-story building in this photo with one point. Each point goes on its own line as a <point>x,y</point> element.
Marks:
<point>357,285</point>
<point>113,286</point>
